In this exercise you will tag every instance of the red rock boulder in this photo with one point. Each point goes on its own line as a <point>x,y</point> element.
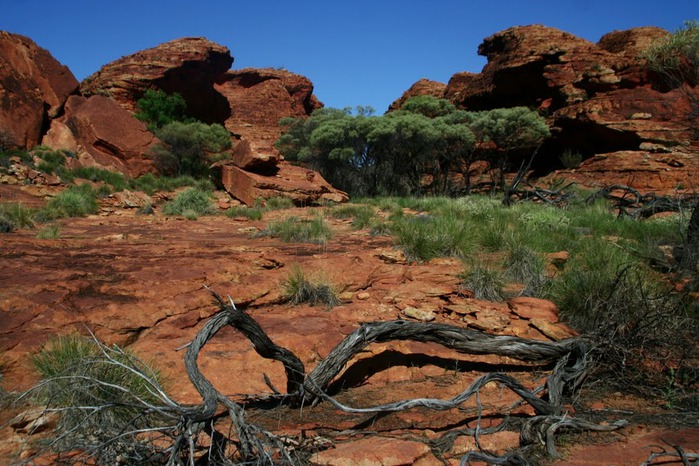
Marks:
<point>33,88</point>
<point>103,134</point>
<point>304,187</point>
<point>189,66</point>
<point>258,99</point>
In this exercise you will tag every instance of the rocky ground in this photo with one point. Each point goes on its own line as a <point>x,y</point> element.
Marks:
<point>138,281</point>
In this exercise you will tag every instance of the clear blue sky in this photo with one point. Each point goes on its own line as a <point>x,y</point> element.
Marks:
<point>356,52</point>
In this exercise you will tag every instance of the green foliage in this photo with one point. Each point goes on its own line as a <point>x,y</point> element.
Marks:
<point>157,108</point>
<point>51,160</point>
<point>100,393</point>
<point>526,266</point>
<point>278,203</point>
<point>293,229</point>
<point>484,282</point>
<point>425,237</point>
<point>571,159</point>
<point>115,179</point>
<point>675,58</point>
<point>15,215</point>
<point>189,148</point>
<point>298,289</point>
<point>362,216</point>
<point>75,201</point>
<point>49,232</point>
<point>391,154</point>
<point>253,213</point>
<point>190,203</point>
<point>150,184</point>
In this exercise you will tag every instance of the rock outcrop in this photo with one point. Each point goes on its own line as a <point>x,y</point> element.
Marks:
<point>304,187</point>
<point>597,98</point>
<point>258,99</point>
<point>104,134</point>
<point>33,88</point>
<point>189,66</point>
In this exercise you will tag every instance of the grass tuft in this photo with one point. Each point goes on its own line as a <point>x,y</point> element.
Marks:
<point>190,204</point>
<point>299,289</point>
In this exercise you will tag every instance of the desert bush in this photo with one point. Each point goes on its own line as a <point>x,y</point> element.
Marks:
<point>278,203</point>
<point>484,282</point>
<point>189,148</point>
<point>151,184</point>
<point>75,201</point>
<point>157,108</point>
<point>190,203</point>
<point>362,216</point>
<point>100,393</point>
<point>526,266</point>
<point>299,288</point>
<point>424,237</point>
<point>253,213</point>
<point>52,161</point>
<point>117,180</point>
<point>15,215</point>
<point>571,159</point>
<point>675,58</point>
<point>49,232</point>
<point>293,229</point>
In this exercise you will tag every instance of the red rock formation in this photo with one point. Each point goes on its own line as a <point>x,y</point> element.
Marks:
<point>598,98</point>
<point>258,99</point>
<point>421,87</point>
<point>188,66</point>
<point>303,186</point>
<point>33,88</point>
<point>103,134</point>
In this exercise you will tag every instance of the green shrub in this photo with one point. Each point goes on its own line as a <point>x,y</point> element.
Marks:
<point>424,237</point>
<point>675,58</point>
<point>100,394</point>
<point>526,266</point>
<point>362,216</point>
<point>115,179</point>
<point>298,289</point>
<point>75,201</point>
<point>157,108</point>
<point>253,213</point>
<point>150,184</point>
<point>571,159</point>
<point>51,160</point>
<point>15,215</point>
<point>49,232</point>
<point>190,203</point>
<point>484,282</point>
<point>189,148</point>
<point>278,203</point>
<point>293,229</point>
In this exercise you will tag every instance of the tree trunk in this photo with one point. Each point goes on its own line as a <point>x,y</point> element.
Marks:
<point>688,254</point>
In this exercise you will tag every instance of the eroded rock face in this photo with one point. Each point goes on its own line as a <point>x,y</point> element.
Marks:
<point>421,87</point>
<point>302,186</point>
<point>259,98</point>
<point>104,134</point>
<point>598,98</point>
<point>33,88</point>
<point>189,66</point>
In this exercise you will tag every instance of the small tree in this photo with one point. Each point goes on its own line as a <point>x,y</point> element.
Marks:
<point>157,108</point>
<point>190,148</point>
<point>675,57</point>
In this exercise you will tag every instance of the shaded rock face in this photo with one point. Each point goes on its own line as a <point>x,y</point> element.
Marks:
<point>189,66</point>
<point>103,134</point>
<point>259,98</point>
<point>422,87</point>
<point>33,88</point>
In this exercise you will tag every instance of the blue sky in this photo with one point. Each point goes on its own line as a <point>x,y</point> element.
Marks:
<point>355,52</point>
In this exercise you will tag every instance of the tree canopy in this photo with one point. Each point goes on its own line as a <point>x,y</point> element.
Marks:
<point>409,151</point>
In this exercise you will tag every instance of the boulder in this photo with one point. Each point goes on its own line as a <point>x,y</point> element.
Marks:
<point>189,66</point>
<point>259,98</point>
<point>248,156</point>
<point>105,135</point>
<point>33,88</point>
<point>421,87</point>
<point>302,186</point>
